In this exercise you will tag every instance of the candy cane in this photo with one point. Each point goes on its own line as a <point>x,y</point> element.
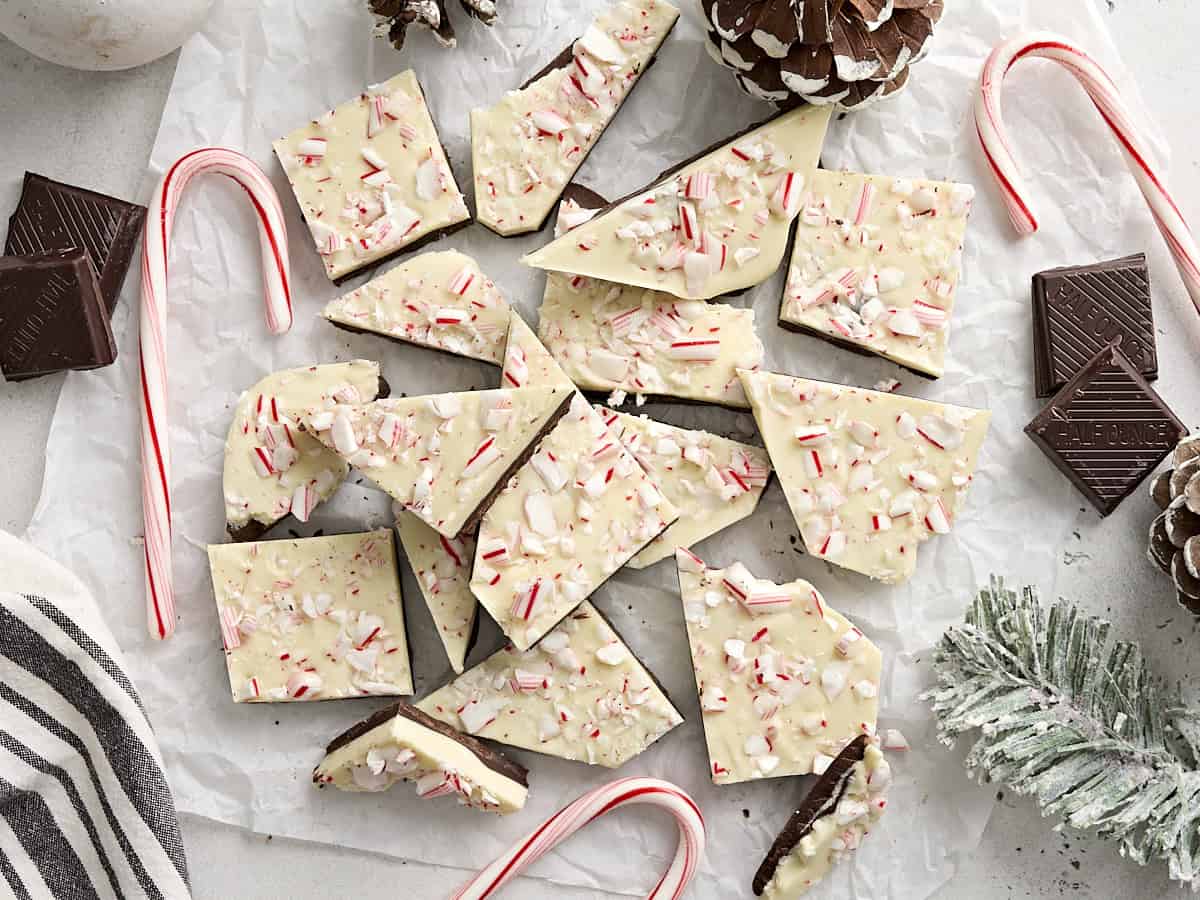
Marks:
<point>156,455</point>
<point>592,805</point>
<point>989,123</point>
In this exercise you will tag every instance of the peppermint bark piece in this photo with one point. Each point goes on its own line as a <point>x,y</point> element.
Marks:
<point>442,457</point>
<point>785,680</point>
<point>272,468</point>
<point>437,300</point>
<point>630,340</point>
<point>716,224</point>
<point>527,147</point>
<point>401,743</point>
<point>830,823</point>
<point>441,566</point>
<point>527,362</point>
<point>712,481</point>
<point>875,265</point>
<point>313,619</point>
<point>868,476</point>
<point>575,513</point>
<point>580,694</point>
<point>371,177</point>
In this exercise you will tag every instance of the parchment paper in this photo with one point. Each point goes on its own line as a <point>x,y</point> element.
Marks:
<point>261,68</point>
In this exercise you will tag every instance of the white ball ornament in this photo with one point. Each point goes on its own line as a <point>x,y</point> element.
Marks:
<point>101,34</point>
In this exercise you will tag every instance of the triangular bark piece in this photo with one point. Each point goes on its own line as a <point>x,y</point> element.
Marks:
<point>580,694</point>
<point>868,475</point>
<point>716,224</point>
<point>785,680</point>
<point>442,457</point>
<point>437,300</point>
<point>442,567</point>
<point>713,481</point>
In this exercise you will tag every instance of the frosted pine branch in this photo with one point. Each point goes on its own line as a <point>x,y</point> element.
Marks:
<point>1075,719</point>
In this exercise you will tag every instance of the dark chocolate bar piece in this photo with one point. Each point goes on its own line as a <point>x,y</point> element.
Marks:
<point>822,800</point>
<point>493,759</point>
<point>52,316</point>
<point>1080,310</point>
<point>1106,429</point>
<point>54,216</point>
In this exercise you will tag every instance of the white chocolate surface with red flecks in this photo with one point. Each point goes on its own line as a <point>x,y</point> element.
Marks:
<point>401,749</point>
<point>718,225</point>
<point>580,694</point>
<point>438,300</point>
<point>869,476</point>
<point>438,456</point>
<point>527,147</point>
<point>371,176</point>
<point>631,340</point>
<point>442,567</point>
<point>575,513</point>
<point>312,619</point>
<point>876,263</point>
<point>713,481</point>
<point>272,468</point>
<point>785,681</point>
<point>837,834</point>
<point>527,362</point>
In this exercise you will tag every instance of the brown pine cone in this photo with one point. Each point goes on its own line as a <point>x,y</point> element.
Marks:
<point>1175,533</point>
<point>394,17</point>
<point>845,52</point>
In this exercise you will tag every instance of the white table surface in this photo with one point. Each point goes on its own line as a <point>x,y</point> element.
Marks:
<point>97,130</point>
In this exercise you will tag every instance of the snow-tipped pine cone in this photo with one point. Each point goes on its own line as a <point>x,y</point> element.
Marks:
<point>846,52</point>
<point>1175,534</point>
<point>394,16</point>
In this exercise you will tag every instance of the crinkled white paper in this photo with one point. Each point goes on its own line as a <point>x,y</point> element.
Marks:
<point>261,68</point>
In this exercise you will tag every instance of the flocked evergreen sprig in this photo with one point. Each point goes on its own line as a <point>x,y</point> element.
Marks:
<point>1077,720</point>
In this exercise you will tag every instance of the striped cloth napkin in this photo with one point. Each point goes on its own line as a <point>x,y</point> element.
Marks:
<point>85,809</point>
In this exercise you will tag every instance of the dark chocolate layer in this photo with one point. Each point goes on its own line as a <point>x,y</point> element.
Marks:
<point>820,801</point>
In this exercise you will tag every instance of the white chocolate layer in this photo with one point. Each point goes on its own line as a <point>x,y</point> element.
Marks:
<point>580,694</point>
<point>835,835</point>
<point>371,176</point>
<point>527,147</point>
<point>437,300</point>
<point>441,566</point>
<point>609,337</point>
<point>312,619</point>
<point>713,481</point>
<point>719,224</point>
<point>577,511</point>
<point>404,750</point>
<point>785,681</point>
<point>868,476</point>
<point>876,263</point>
<point>527,362</point>
<point>440,456</point>
<point>270,464</point>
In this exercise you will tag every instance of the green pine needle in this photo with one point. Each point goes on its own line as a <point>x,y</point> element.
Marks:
<point>1075,719</point>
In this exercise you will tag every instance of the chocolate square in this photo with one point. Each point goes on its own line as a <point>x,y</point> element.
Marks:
<point>1079,310</point>
<point>54,216</point>
<point>52,316</point>
<point>1106,429</point>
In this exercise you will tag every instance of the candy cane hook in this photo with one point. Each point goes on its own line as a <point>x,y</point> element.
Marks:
<point>592,805</point>
<point>989,123</point>
<point>156,454</point>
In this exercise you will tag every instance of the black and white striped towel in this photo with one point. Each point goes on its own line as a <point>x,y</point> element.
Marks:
<point>85,809</point>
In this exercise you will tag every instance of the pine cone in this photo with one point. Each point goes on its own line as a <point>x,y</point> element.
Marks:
<point>394,17</point>
<point>1175,534</point>
<point>845,52</point>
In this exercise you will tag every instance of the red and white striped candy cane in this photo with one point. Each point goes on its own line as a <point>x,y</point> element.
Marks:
<point>156,454</point>
<point>592,805</point>
<point>989,123</point>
